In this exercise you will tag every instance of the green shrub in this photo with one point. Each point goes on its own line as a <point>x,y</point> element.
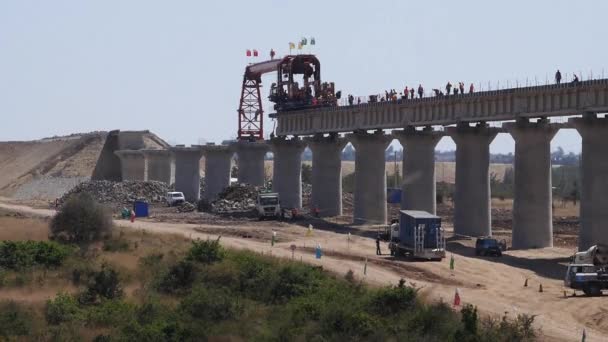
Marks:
<point>294,280</point>
<point>19,255</point>
<point>112,312</point>
<point>393,300</point>
<point>81,220</point>
<point>179,277</point>
<point>64,308</point>
<point>14,320</point>
<point>210,304</point>
<point>102,285</point>
<point>206,251</point>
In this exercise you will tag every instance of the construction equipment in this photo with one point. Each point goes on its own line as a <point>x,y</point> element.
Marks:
<point>268,205</point>
<point>286,93</point>
<point>418,235</point>
<point>587,270</point>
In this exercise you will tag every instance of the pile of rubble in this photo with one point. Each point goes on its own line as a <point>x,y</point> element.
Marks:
<point>121,192</point>
<point>235,198</point>
<point>186,207</point>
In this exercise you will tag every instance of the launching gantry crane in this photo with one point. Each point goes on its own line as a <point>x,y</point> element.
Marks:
<point>286,93</point>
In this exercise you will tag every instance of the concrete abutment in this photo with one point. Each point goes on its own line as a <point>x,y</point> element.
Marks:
<point>326,194</point>
<point>287,170</point>
<point>472,206</point>
<point>132,165</point>
<point>370,177</point>
<point>218,162</point>
<point>419,189</point>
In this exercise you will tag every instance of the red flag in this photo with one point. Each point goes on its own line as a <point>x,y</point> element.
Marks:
<point>456,298</point>
<point>248,53</point>
<point>255,53</point>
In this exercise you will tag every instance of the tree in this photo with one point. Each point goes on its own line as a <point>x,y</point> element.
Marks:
<point>81,220</point>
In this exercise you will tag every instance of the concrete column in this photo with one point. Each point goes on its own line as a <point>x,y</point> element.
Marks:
<point>327,174</point>
<point>132,165</point>
<point>287,170</point>
<point>472,207</point>
<point>159,165</point>
<point>370,177</point>
<point>187,171</point>
<point>594,180</point>
<point>532,202</point>
<point>250,161</point>
<point>418,187</point>
<point>218,160</point>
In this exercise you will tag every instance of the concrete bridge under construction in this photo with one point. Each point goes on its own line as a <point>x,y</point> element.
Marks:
<point>419,124</point>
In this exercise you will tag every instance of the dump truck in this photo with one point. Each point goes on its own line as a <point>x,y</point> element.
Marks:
<point>587,271</point>
<point>418,235</point>
<point>268,205</point>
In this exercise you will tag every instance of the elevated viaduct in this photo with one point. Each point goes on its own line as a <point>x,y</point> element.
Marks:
<point>419,124</point>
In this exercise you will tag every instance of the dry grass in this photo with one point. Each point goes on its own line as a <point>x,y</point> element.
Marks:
<point>16,227</point>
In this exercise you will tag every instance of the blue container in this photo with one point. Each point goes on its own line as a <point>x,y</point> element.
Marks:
<point>140,208</point>
<point>393,195</point>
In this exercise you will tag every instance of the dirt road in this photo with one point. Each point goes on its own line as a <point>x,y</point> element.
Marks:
<point>495,285</point>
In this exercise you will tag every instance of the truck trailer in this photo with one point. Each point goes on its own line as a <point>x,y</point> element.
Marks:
<point>419,235</point>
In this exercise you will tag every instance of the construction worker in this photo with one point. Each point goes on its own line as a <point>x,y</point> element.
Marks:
<point>272,54</point>
<point>448,88</point>
<point>420,91</point>
<point>461,86</point>
<point>558,77</point>
<point>378,252</point>
<point>471,89</point>
<point>412,93</point>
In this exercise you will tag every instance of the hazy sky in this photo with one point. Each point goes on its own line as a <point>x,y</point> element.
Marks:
<point>175,67</point>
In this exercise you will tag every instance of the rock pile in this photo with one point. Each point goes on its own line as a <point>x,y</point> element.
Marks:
<point>239,197</point>
<point>186,207</point>
<point>121,192</point>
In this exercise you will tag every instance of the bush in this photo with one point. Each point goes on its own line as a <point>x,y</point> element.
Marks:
<point>102,285</point>
<point>81,220</point>
<point>18,255</point>
<point>115,245</point>
<point>206,251</point>
<point>179,277</point>
<point>64,308</point>
<point>14,321</point>
<point>210,304</point>
<point>393,300</point>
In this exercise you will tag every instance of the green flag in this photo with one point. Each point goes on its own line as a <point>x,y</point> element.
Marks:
<point>452,262</point>
<point>304,41</point>
<point>312,41</point>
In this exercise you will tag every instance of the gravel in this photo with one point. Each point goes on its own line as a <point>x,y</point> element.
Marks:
<point>47,188</point>
<point>122,192</point>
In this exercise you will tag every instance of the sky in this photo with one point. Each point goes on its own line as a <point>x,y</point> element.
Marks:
<point>176,67</point>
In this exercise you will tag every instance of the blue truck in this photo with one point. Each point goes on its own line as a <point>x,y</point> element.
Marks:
<point>419,235</point>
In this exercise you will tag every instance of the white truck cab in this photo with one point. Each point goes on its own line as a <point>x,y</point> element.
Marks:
<point>268,205</point>
<point>175,198</point>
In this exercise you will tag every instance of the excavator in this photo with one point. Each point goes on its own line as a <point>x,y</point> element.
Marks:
<point>588,270</point>
<point>287,93</point>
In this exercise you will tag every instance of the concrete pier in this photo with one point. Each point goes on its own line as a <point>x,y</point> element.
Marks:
<point>370,177</point>
<point>472,206</point>
<point>418,186</point>
<point>326,194</point>
<point>218,159</point>
<point>132,165</point>
<point>594,180</point>
<point>187,171</point>
<point>250,161</point>
<point>287,170</point>
<point>532,202</point>
<point>159,165</point>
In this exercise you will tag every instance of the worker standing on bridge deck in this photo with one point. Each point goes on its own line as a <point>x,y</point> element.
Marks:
<point>461,86</point>
<point>558,77</point>
<point>406,92</point>
<point>471,89</point>
<point>448,88</point>
<point>412,93</point>
<point>420,91</point>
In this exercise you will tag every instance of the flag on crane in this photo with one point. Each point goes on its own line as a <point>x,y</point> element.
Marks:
<point>304,41</point>
<point>312,41</point>
<point>300,46</point>
<point>255,53</point>
<point>292,45</point>
<point>248,53</point>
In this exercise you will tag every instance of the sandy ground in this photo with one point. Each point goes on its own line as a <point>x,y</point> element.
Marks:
<point>495,285</point>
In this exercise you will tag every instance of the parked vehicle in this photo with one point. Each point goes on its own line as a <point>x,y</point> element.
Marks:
<point>419,235</point>
<point>175,198</point>
<point>587,271</point>
<point>486,246</point>
<point>268,205</point>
